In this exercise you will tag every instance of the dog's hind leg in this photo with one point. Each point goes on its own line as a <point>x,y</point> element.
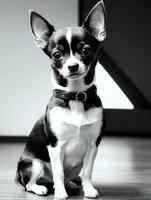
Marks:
<point>28,173</point>
<point>37,172</point>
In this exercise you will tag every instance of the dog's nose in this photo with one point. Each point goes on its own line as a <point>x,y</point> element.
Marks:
<point>73,67</point>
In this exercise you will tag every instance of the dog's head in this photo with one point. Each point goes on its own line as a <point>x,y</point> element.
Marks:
<point>73,50</point>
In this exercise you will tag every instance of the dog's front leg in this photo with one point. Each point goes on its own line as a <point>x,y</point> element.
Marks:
<point>89,190</point>
<point>56,156</point>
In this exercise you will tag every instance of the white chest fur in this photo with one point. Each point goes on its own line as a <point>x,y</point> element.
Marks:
<point>76,115</point>
<point>67,122</point>
<point>76,128</point>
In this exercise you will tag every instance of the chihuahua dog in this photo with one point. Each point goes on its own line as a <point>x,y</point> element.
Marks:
<point>64,141</point>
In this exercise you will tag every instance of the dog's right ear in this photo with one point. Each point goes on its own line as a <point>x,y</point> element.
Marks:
<point>41,29</point>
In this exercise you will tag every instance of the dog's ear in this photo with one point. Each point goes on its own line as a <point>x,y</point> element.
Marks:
<point>95,22</point>
<point>41,29</point>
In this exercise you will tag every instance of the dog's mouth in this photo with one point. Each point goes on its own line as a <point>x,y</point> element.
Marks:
<point>72,75</point>
<point>78,74</point>
<point>75,75</point>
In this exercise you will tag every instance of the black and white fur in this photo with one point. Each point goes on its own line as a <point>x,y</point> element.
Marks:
<point>65,140</point>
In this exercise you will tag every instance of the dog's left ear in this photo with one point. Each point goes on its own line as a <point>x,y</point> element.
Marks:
<point>95,22</point>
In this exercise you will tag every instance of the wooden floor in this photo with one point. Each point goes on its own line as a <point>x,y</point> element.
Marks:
<point>122,171</point>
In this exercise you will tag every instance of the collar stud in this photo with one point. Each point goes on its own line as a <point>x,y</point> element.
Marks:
<point>81,96</point>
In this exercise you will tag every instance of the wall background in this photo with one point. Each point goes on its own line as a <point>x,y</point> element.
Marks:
<point>24,70</point>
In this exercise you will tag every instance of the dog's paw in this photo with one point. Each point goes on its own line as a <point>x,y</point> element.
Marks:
<point>38,189</point>
<point>90,192</point>
<point>60,194</point>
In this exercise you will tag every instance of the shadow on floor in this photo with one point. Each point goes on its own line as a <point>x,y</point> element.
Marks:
<point>111,192</point>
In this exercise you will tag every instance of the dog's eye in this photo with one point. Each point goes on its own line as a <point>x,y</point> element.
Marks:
<point>86,50</point>
<point>57,55</point>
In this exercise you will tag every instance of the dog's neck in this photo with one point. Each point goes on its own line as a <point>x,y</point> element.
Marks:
<point>72,85</point>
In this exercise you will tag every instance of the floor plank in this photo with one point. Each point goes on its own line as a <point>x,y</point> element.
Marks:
<point>122,171</point>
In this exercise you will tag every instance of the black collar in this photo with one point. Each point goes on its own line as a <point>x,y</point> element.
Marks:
<point>76,96</point>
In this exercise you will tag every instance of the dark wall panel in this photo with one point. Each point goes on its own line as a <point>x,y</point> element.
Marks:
<point>128,41</point>
<point>128,46</point>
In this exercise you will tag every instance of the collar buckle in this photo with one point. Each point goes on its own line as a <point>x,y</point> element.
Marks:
<point>81,96</point>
